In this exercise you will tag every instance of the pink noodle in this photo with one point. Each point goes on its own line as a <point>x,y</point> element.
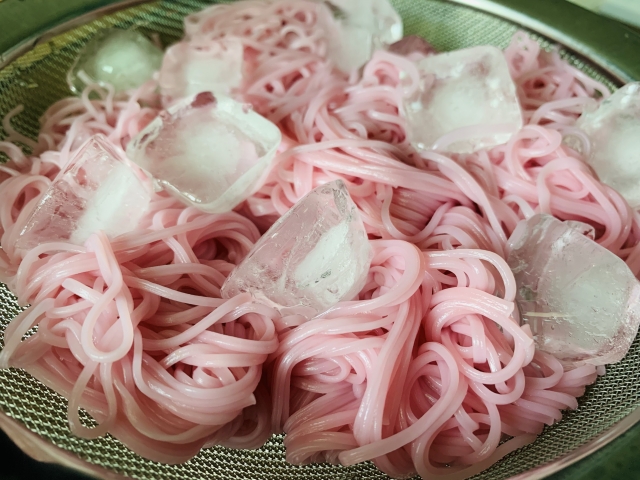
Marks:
<point>426,371</point>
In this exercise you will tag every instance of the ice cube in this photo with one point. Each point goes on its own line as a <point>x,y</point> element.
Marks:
<point>189,68</point>
<point>122,58</point>
<point>97,190</point>
<point>585,229</point>
<point>356,28</point>
<point>466,101</point>
<point>314,256</point>
<point>581,301</point>
<point>210,151</point>
<point>614,131</point>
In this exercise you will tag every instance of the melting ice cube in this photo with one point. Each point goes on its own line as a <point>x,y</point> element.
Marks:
<point>466,102</point>
<point>314,256</point>
<point>614,131</point>
<point>97,190</point>
<point>356,28</point>
<point>210,151</point>
<point>581,301</point>
<point>123,58</point>
<point>189,68</point>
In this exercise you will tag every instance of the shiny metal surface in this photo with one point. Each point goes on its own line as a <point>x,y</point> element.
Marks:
<point>602,48</point>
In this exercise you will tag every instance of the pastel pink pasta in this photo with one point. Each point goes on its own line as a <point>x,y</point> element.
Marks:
<point>427,371</point>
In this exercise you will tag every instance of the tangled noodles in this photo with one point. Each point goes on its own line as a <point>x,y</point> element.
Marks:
<point>427,371</point>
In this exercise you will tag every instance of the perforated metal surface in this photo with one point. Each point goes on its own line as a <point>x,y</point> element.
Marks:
<point>38,79</point>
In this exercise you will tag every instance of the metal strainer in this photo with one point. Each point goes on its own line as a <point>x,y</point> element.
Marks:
<point>37,79</point>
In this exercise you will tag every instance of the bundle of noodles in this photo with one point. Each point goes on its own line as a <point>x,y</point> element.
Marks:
<point>430,368</point>
<point>134,330</point>
<point>325,116</point>
<point>337,126</point>
<point>326,380</point>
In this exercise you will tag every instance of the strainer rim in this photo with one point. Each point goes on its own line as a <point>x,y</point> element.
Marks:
<point>621,68</point>
<point>608,44</point>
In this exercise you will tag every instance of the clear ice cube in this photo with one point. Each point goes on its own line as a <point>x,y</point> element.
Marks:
<point>97,190</point>
<point>122,58</point>
<point>356,28</point>
<point>314,256</point>
<point>210,151</point>
<point>614,131</point>
<point>466,101</point>
<point>581,301</point>
<point>189,68</point>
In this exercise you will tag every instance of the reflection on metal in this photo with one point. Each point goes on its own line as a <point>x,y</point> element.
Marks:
<point>607,43</point>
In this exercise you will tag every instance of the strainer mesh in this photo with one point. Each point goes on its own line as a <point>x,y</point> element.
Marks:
<point>38,78</point>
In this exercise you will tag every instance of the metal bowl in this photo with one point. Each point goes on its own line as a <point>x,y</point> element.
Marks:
<point>36,52</point>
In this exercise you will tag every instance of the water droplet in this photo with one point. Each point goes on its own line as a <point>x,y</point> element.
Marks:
<point>28,83</point>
